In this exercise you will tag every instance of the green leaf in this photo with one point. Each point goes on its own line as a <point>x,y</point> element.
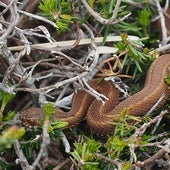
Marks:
<point>144,17</point>
<point>126,165</point>
<point>48,7</point>
<point>5,98</point>
<point>9,136</point>
<point>138,66</point>
<point>167,80</point>
<point>48,110</point>
<point>118,144</point>
<point>125,27</point>
<point>9,115</point>
<point>62,26</point>
<point>59,12</point>
<point>84,153</point>
<point>57,124</point>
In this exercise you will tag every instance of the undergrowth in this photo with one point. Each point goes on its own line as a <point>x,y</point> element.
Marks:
<point>124,148</point>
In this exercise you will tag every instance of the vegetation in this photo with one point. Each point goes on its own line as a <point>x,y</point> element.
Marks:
<point>36,74</point>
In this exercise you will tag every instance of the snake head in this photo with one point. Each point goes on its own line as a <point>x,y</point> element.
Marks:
<point>31,117</point>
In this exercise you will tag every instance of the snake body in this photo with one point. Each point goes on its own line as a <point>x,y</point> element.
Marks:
<point>100,116</point>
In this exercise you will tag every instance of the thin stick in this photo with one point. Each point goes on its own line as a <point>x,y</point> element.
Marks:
<point>22,159</point>
<point>53,46</point>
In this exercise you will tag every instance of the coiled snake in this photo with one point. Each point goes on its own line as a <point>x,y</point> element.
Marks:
<point>100,116</point>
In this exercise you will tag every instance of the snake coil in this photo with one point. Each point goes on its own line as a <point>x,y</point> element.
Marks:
<point>100,116</point>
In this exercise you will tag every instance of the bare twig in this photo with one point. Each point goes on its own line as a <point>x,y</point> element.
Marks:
<point>150,160</point>
<point>93,53</point>
<point>166,5</point>
<point>61,44</point>
<point>113,161</point>
<point>142,129</point>
<point>14,19</point>
<point>22,159</point>
<point>44,144</point>
<point>162,19</point>
<point>155,158</point>
<point>163,48</point>
<point>103,20</point>
<point>155,105</point>
<point>12,67</point>
<point>38,18</point>
<point>133,3</point>
<point>58,167</point>
<point>93,92</point>
<point>116,10</point>
<point>65,142</point>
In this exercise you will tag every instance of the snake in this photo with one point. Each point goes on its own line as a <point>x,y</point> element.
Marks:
<point>101,116</point>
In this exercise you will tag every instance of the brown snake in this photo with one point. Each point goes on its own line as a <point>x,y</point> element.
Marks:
<point>100,116</point>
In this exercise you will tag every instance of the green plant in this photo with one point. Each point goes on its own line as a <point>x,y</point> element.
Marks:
<point>123,147</point>
<point>5,99</point>
<point>84,154</point>
<point>167,79</point>
<point>53,124</point>
<point>120,150</point>
<point>58,11</point>
<point>134,54</point>
<point>144,19</point>
<point>9,134</point>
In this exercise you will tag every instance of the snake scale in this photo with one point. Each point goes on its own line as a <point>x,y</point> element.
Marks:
<point>100,116</point>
